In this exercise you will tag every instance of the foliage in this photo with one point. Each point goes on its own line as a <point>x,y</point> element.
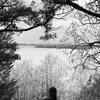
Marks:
<point>84,58</point>
<point>7,58</point>
<point>91,91</point>
<point>14,12</point>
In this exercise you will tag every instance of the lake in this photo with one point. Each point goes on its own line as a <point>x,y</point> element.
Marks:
<point>35,55</point>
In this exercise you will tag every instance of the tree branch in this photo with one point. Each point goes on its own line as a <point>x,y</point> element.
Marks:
<point>76,6</point>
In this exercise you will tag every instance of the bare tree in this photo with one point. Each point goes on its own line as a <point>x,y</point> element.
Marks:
<point>50,73</point>
<point>24,73</point>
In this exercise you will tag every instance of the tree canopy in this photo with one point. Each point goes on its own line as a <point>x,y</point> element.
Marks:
<point>14,11</point>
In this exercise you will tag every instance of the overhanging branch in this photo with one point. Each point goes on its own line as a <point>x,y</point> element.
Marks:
<point>76,6</point>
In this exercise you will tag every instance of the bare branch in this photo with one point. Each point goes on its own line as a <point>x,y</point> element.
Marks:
<point>78,7</point>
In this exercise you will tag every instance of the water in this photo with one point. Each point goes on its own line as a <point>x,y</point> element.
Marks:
<point>37,54</point>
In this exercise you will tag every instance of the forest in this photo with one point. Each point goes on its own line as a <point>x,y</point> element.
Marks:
<point>81,70</point>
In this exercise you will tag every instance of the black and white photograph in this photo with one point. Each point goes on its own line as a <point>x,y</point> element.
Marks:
<point>49,49</point>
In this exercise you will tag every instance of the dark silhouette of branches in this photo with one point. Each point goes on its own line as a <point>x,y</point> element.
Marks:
<point>76,6</point>
<point>12,12</point>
